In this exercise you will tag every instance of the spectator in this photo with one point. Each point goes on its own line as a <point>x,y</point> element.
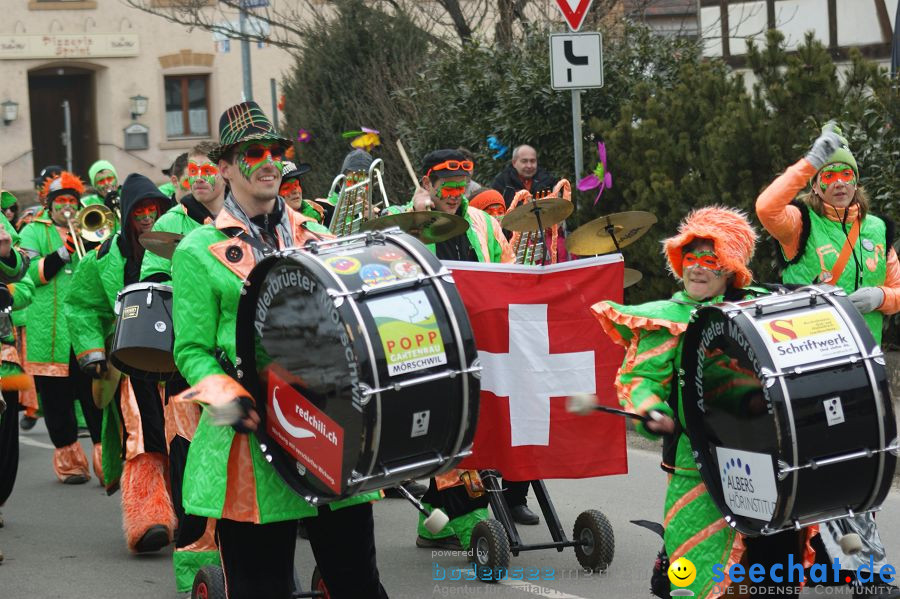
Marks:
<point>523,173</point>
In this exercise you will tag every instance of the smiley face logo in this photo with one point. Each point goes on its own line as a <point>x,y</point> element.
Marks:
<point>682,572</point>
<point>343,265</point>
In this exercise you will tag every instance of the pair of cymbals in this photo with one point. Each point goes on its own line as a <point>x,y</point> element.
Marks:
<point>524,217</point>
<point>428,226</point>
<point>609,233</point>
<point>161,243</point>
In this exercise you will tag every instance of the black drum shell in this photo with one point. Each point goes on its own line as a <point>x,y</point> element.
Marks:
<point>144,336</point>
<point>788,410</point>
<point>378,434</point>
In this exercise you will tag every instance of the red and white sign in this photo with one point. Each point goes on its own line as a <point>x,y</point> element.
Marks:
<point>305,432</point>
<point>574,11</point>
<point>539,343</point>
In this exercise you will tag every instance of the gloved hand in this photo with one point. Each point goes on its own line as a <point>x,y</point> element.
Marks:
<point>67,249</point>
<point>866,299</point>
<point>239,413</point>
<point>825,145</point>
<point>95,369</point>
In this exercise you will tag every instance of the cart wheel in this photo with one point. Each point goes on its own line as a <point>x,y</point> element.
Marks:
<point>317,585</point>
<point>491,550</point>
<point>209,583</point>
<point>598,543</point>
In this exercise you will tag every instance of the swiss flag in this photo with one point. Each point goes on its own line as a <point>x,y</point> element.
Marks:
<point>538,343</point>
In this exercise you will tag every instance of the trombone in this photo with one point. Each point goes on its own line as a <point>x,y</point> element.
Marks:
<point>76,238</point>
<point>95,223</point>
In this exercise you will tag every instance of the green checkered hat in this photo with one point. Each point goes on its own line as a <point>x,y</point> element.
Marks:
<point>244,122</point>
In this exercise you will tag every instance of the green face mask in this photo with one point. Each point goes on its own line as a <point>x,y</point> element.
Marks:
<point>254,155</point>
<point>451,189</point>
<point>202,172</point>
<point>833,173</point>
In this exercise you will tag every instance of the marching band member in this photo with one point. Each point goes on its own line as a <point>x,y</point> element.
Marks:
<point>195,545</point>
<point>147,516</point>
<point>50,243</point>
<point>102,175</point>
<point>292,191</point>
<point>709,255</point>
<point>831,236</point>
<point>226,476</point>
<point>443,185</point>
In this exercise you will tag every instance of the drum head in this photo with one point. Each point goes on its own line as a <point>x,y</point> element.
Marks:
<point>143,339</point>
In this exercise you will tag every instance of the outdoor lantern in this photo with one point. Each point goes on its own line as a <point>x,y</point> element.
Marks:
<point>10,111</point>
<point>138,106</point>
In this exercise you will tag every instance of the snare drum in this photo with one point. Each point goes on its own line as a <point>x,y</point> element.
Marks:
<point>362,361</point>
<point>787,407</point>
<point>142,344</point>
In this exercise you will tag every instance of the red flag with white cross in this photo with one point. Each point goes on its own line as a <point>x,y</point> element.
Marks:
<point>538,343</point>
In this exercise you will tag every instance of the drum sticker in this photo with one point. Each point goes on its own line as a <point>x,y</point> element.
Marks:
<point>388,254</point>
<point>130,312</point>
<point>409,332</point>
<point>748,482</point>
<point>834,412</point>
<point>405,269</point>
<point>420,423</point>
<point>305,432</point>
<point>806,337</point>
<point>375,274</point>
<point>343,265</point>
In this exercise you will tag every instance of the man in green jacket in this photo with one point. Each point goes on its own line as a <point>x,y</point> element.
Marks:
<point>227,476</point>
<point>49,242</point>
<point>147,515</point>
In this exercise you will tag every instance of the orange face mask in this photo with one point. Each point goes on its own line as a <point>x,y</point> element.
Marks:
<point>289,187</point>
<point>707,260</point>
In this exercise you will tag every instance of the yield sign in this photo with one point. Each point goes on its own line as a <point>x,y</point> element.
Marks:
<point>574,11</point>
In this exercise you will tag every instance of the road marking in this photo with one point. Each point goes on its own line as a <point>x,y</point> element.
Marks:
<point>33,443</point>
<point>531,588</point>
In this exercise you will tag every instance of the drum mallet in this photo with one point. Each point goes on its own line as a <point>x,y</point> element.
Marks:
<point>585,403</point>
<point>409,168</point>
<point>851,543</point>
<point>435,521</point>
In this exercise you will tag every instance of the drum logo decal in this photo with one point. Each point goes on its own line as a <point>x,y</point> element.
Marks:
<point>388,254</point>
<point>409,332</point>
<point>343,265</point>
<point>405,269</point>
<point>748,482</point>
<point>807,337</point>
<point>305,432</point>
<point>375,274</point>
<point>234,254</point>
<point>130,312</point>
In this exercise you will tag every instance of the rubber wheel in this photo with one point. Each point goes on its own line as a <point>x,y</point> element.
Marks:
<point>490,550</point>
<point>317,585</point>
<point>209,583</point>
<point>598,543</point>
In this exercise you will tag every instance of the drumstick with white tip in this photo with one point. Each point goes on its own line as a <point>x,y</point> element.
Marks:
<point>435,521</point>
<point>585,403</point>
<point>409,168</point>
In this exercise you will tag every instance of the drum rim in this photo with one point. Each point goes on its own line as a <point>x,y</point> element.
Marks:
<point>142,286</point>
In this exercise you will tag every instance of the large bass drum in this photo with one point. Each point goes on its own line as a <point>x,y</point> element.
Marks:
<point>787,407</point>
<point>362,362</point>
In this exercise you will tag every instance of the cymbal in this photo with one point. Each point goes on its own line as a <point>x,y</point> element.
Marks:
<point>161,243</point>
<point>596,237</point>
<point>632,276</point>
<point>428,226</point>
<point>523,217</point>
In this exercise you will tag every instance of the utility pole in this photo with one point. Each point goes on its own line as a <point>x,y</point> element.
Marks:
<point>245,54</point>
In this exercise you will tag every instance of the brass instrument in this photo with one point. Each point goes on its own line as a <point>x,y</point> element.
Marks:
<point>355,203</point>
<point>528,246</point>
<point>79,247</point>
<point>97,222</point>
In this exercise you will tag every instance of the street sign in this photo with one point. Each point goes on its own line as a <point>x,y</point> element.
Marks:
<point>574,11</point>
<point>576,60</point>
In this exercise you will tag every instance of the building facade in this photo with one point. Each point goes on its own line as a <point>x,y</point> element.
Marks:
<point>136,90</point>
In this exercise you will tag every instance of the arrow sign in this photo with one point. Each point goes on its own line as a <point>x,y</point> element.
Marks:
<point>574,11</point>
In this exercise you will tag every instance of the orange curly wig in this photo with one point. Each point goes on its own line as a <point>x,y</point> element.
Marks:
<point>65,183</point>
<point>733,237</point>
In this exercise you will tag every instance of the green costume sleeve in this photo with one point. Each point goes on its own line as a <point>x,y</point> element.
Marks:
<point>87,312</point>
<point>195,313</point>
<point>646,376</point>
<point>22,293</point>
<point>17,271</point>
<point>154,265</point>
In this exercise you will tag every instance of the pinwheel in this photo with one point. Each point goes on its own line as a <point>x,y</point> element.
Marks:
<point>495,145</point>
<point>303,136</point>
<point>601,176</point>
<point>366,139</point>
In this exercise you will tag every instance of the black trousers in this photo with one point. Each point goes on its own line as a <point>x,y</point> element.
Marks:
<point>190,527</point>
<point>9,445</point>
<point>153,423</point>
<point>58,397</point>
<point>258,559</point>
<point>454,501</point>
<point>516,492</point>
<point>774,549</point>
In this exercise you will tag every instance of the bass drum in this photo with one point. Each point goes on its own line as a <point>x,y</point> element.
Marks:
<point>787,407</point>
<point>362,362</point>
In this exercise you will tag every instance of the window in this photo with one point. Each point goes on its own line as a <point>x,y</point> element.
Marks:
<point>187,106</point>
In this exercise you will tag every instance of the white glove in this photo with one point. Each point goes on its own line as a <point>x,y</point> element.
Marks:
<point>825,145</point>
<point>866,299</point>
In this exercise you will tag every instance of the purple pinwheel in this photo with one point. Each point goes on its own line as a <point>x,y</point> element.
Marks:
<point>601,176</point>
<point>303,136</point>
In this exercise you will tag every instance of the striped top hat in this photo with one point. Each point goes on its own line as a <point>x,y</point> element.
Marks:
<point>244,122</point>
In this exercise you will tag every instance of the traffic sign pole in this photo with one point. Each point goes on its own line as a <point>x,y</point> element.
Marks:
<point>576,132</point>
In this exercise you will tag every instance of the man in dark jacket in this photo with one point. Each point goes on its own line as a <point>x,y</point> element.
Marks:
<point>523,173</point>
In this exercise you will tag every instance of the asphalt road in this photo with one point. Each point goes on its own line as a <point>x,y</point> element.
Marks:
<point>66,541</point>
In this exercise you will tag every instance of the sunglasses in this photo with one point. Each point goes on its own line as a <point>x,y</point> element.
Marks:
<point>452,165</point>
<point>706,260</point>
<point>106,182</point>
<point>202,170</point>
<point>258,152</point>
<point>846,176</point>
<point>289,187</point>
